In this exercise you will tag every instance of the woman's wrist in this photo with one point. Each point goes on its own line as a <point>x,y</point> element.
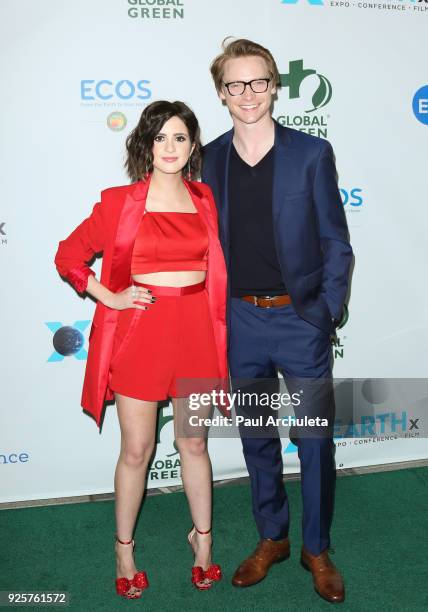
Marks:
<point>108,298</point>
<point>99,292</point>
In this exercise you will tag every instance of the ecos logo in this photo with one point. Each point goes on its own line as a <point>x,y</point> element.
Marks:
<point>420,105</point>
<point>354,204</point>
<point>103,90</point>
<point>352,197</point>
<point>68,340</point>
<point>116,96</point>
<point>117,121</point>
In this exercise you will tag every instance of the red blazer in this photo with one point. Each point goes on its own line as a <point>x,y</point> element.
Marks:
<point>111,228</point>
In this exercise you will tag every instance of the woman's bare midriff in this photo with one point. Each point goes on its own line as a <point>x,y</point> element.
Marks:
<point>180,278</point>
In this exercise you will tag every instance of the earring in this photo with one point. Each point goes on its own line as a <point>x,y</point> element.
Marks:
<point>189,172</point>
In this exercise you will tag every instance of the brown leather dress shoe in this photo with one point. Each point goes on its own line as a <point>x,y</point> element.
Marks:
<point>328,582</point>
<point>255,568</point>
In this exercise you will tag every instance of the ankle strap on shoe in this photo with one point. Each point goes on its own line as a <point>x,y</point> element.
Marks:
<point>203,532</point>
<point>124,541</point>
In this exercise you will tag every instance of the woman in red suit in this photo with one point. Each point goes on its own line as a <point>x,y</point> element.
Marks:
<point>159,319</point>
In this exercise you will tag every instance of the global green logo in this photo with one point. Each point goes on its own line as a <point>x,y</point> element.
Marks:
<point>294,79</point>
<point>165,466</point>
<point>345,317</point>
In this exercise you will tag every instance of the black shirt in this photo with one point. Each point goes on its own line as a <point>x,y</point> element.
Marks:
<point>254,266</point>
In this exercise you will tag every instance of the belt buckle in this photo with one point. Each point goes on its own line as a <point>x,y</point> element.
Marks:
<point>266,297</point>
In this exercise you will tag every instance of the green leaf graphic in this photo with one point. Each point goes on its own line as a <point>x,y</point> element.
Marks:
<point>345,317</point>
<point>323,94</point>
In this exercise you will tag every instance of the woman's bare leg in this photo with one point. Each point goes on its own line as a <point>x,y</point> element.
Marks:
<point>137,421</point>
<point>196,474</point>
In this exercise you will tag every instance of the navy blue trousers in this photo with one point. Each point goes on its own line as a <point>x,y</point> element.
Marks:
<point>263,341</point>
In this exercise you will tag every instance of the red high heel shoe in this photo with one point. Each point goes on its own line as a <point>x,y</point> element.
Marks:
<point>204,579</point>
<point>125,586</point>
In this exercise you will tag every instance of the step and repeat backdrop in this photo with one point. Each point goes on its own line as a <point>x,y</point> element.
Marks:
<point>76,76</point>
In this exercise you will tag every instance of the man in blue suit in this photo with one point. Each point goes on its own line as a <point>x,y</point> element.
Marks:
<point>285,241</point>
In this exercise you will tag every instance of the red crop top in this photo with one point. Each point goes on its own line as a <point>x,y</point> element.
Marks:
<point>170,241</point>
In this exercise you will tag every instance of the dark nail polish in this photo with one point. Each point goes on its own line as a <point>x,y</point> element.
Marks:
<point>153,300</point>
<point>149,290</point>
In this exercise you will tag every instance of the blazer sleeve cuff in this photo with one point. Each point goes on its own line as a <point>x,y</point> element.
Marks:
<point>78,277</point>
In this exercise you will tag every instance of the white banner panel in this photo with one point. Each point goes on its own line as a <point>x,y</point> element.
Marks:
<point>76,77</point>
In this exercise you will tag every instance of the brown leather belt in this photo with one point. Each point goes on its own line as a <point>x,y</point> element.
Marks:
<point>267,301</point>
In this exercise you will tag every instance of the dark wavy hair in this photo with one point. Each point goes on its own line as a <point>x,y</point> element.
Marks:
<point>139,144</point>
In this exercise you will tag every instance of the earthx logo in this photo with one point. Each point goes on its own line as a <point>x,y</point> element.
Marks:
<point>68,340</point>
<point>415,6</point>
<point>313,2</point>
<point>16,457</point>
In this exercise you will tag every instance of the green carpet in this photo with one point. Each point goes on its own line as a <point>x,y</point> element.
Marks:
<point>379,534</point>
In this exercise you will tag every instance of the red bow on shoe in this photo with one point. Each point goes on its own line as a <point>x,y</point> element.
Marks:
<point>213,574</point>
<point>140,581</point>
<point>124,585</point>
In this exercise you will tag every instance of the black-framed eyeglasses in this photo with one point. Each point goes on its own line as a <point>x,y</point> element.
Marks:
<point>237,88</point>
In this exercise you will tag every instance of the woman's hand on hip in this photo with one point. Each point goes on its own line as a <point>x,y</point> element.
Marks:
<point>132,297</point>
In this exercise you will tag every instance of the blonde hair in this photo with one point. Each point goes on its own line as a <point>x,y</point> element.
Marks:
<point>241,47</point>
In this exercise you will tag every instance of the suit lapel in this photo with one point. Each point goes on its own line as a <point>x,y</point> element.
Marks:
<point>281,178</point>
<point>282,159</point>
<point>204,209</point>
<point>201,204</point>
<point>129,222</point>
<point>222,175</point>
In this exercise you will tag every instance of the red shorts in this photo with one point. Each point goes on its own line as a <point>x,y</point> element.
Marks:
<point>159,351</point>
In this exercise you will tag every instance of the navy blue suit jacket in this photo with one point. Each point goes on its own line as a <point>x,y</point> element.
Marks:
<point>310,229</point>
